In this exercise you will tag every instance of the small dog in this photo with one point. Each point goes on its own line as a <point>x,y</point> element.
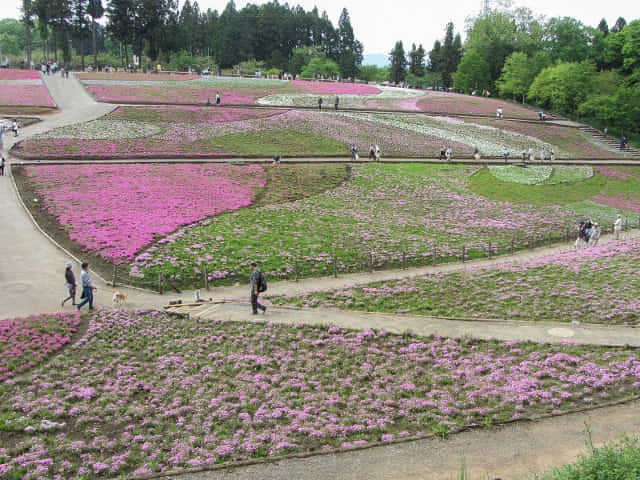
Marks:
<point>119,298</point>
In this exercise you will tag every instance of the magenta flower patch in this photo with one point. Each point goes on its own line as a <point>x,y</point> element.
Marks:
<point>115,210</point>
<point>13,74</point>
<point>25,342</point>
<point>25,95</point>
<point>331,88</point>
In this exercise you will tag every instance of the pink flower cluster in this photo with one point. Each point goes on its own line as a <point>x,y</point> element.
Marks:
<point>13,74</point>
<point>455,103</point>
<point>146,77</point>
<point>147,392</point>
<point>334,88</point>
<point>25,342</point>
<point>115,210</point>
<point>176,94</point>
<point>25,95</point>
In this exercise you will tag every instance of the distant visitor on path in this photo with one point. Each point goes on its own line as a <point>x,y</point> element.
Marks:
<point>337,102</point>
<point>606,131</point>
<point>532,155</point>
<point>2,167</point>
<point>617,226</point>
<point>14,127</point>
<point>218,99</point>
<point>208,102</point>
<point>552,155</point>
<point>258,285</point>
<point>506,154</point>
<point>372,152</point>
<point>354,152</point>
<point>443,153</point>
<point>623,142</point>
<point>476,154</point>
<point>87,287</point>
<point>596,231</point>
<point>542,116</point>
<point>543,154</point>
<point>524,155</point>
<point>378,153</point>
<point>320,103</point>
<point>449,154</point>
<point>1,134</point>
<point>70,280</point>
<point>277,159</point>
<point>499,113</point>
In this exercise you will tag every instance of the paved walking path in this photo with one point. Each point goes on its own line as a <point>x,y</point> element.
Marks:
<point>31,279</point>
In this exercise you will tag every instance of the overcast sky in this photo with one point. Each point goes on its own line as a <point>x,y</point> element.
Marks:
<point>379,24</point>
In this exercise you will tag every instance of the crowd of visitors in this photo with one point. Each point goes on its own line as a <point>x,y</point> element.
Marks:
<point>589,232</point>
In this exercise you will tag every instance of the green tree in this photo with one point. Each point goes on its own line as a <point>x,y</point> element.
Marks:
<point>564,86</point>
<point>435,57</point>
<point>631,47</point>
<point>373,73</point>
<point>619,26</point>
<point>349,49</point>
<point>80,21</point>
<point>121,26</point>
<point>398,61</point>
<point>416,61</point>
<point>519,71</point>
<point>473,73</point>
<point>320,67</point>
<point>603,26</point>
<point>95,10</point>
<point>450,56</point>
<point>568,40</point>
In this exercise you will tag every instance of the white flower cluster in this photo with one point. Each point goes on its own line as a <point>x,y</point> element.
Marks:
<point>103,130</point>
<point>528,175</point>
<point>490,141</point>
<point>570,174</point>
<point>346,101</point>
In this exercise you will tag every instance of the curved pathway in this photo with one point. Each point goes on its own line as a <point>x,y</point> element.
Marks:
<point>31,277</point>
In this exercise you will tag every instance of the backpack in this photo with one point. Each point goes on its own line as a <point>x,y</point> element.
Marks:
<point>262,283</point>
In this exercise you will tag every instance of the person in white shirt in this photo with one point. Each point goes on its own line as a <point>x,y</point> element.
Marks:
<point>596,231</point>
<point>87,287</point>
<point>617,226</point>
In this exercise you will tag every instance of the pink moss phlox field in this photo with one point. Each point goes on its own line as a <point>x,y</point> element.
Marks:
<point>173,94</point>
<point>145,392</point>
<point>455,103</point>
<point>189,114</point>
<point>25,95</point>
<point>13,74</point>
<point>333,88</point>
<point>126,76</point>
<point>25,342</point>
<point>595,284</point>
<point>115,210</point>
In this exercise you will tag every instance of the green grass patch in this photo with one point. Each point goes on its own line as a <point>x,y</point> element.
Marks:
<point>485,184</point>
<point>276,142</point>
<point>617,461</point>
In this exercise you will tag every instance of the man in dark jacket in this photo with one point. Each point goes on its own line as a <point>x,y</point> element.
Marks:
<point>256,277</point>
<point>70,278</point>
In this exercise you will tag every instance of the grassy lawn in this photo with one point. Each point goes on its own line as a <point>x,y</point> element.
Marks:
<point>148,392</point>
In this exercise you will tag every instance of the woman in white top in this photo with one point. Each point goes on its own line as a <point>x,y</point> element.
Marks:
<point>617,226</point>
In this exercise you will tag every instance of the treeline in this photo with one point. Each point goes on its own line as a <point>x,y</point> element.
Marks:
<point>156,31</point>
<point>591,73</point>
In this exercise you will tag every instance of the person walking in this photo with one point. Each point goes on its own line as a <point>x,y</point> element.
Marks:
<point>476,154</point>
<point>378,152</point>
<point>372,152</point>
<point>532,155</point>
<point>443,153</point>
<point>617,226</point>
<point>506,154</point>
<point>258,285</point>
<point>606,131</point>
<point>87,288</point>
<point>552,155</point>
<point>543,154</point>
<point>320,103</point>
<point>218,99</point>
<point>2,128</point>
<point>596,231</point>
<point>354,152</point>
<point>524,155</point>
<point>337,102</point>
<point>2,167</point>
<point>70,278</point>
<point>14,127</point>
<point>499,113</point>
<point>449,154</point>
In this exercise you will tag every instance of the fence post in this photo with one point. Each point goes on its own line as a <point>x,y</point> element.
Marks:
<point>206,278</point>
<point>549,238</point>
<point>160,283</point>
<point>335,267</point>
<point>404,260</point>
<point>370,262</point>
<point>489,249</point>
<point>297,270</point>
<point>115,274</point>
<point>435,255</point>
<point>513,246</point>
<point>463,252</point>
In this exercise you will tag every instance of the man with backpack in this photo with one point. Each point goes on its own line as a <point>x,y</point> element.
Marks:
<point>258,285</point>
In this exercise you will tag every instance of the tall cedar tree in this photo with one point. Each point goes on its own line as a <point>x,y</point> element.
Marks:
<point>398,61</point>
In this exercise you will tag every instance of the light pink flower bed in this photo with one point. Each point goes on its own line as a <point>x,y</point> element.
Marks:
<point>13,74</point>
<point>147,77</point>
<point>25,95</point>
<point>162,94</point>
<point>115,210</point>
<point>334,88</point>
<point>458,104</point>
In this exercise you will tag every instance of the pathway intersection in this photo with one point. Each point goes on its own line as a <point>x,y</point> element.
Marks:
<point>31,278</point>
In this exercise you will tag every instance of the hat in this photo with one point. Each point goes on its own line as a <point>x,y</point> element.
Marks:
<point>69,265</point>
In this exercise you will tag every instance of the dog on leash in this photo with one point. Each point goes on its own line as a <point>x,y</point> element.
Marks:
<point>119,298</point>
